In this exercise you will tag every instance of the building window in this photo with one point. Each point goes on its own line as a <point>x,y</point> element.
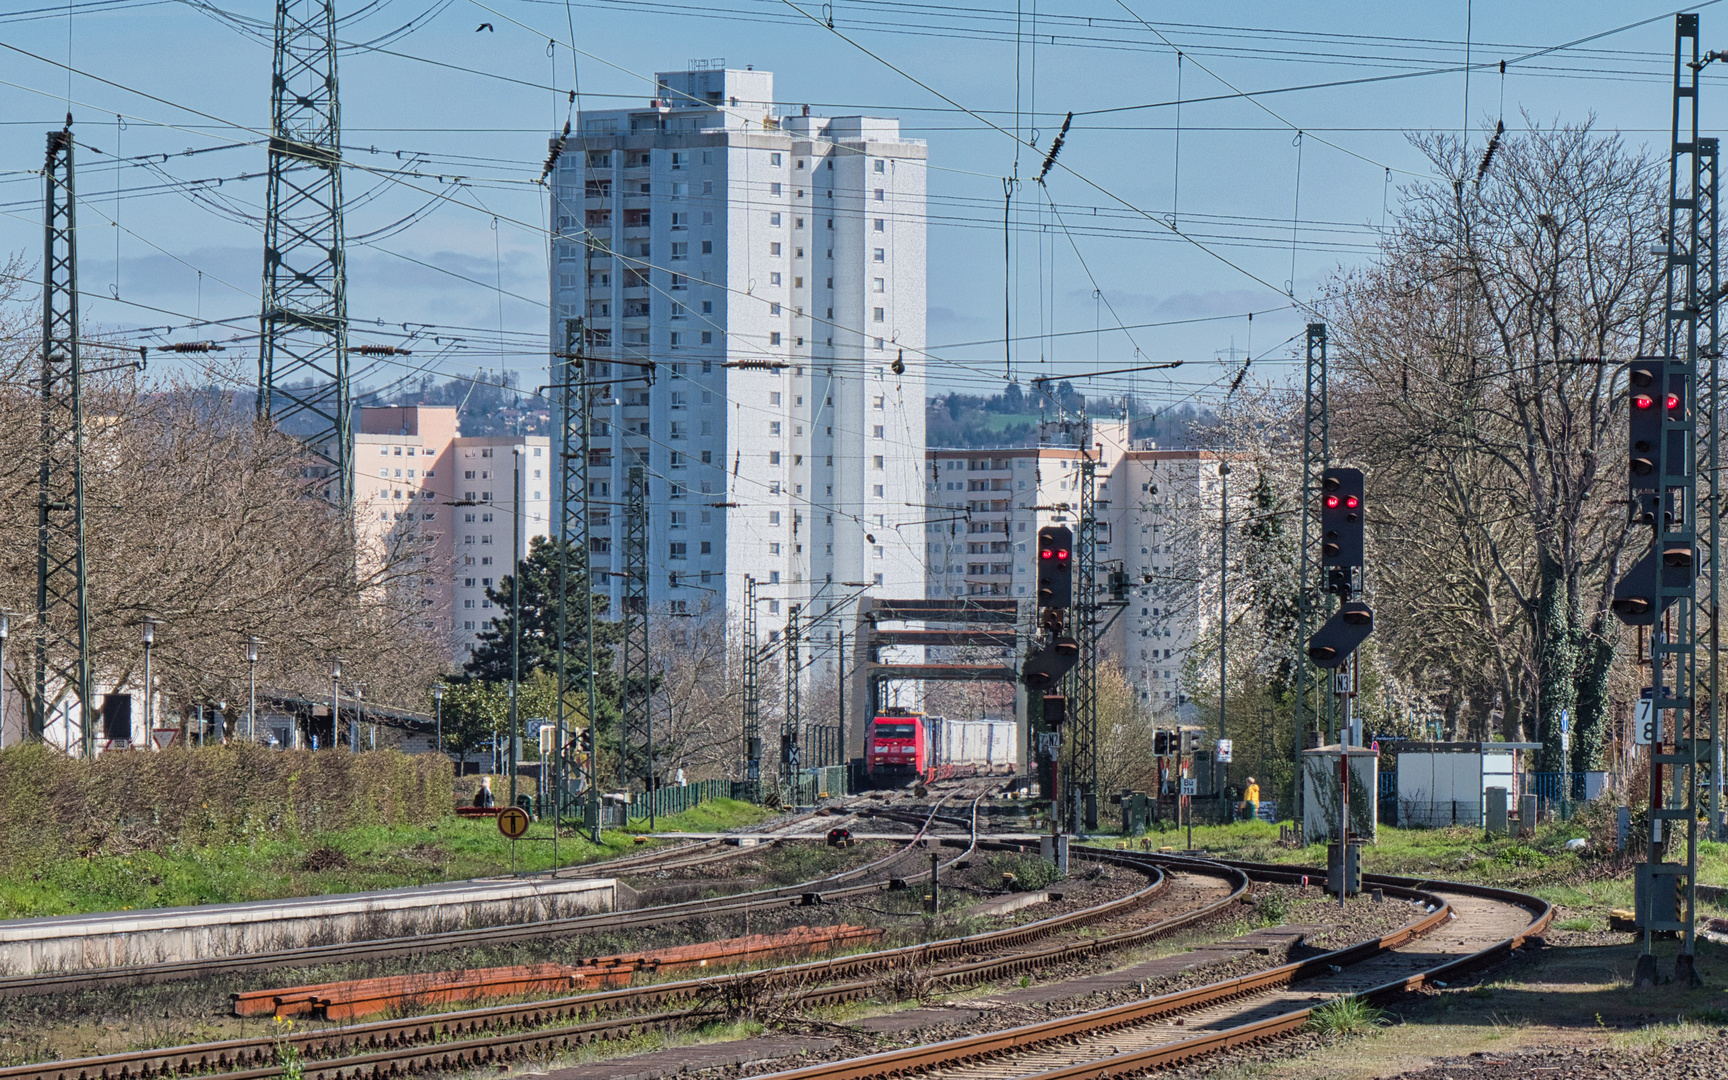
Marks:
<point>774,189</point>
<point>878,195</point>
<point>774,278</point>
<point>876,431</point>
<point>879,165</point>
<point>876,490</point>
<point>707,247</point>
<point>773,427</point>
<point>878,315</point>
<point>876,462</point>
<point>774,219</point>
<point>876,579</point>
<point>878,225</point>
<point>774,338</point>
<point>774,159</point>
<point>678,549</point>
<point>878,255</point>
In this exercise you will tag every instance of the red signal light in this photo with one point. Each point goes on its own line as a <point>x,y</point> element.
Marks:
<point>1643,401</point>
<point>1331,502</point>
<point>1351,502</point>
<point>1673,402</point>
<point>1047,553</point>
<point>1062,556</point>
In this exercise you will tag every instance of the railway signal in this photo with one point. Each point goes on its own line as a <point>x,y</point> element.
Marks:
<point>1055,711</point>
<point>1055,566</point>
<point>1341,513</point>
<point>1660,430</point>
<point>1163,743</point>
<point>1044,667</point>
<point>1339,636</point>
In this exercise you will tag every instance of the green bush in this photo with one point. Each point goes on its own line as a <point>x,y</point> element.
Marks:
<point>54,807</point>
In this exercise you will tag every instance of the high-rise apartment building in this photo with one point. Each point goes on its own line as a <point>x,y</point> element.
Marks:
<point>1149,504</point>
<point>419,482</point>
<point>771,269</point>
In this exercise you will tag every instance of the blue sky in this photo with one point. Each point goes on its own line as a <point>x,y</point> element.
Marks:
<point>1255,204</point>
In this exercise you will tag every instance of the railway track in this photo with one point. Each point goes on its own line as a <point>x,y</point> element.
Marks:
<point>834,886</point>
<point>1462,927</point>
<point>480,1036</point>
<point>1465,927</point>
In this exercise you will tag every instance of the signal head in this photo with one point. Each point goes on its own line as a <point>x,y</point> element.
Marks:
<point>1643,401</point>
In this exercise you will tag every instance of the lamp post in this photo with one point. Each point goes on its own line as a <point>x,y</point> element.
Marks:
<point>336,708</point>
<point>252,643</point>
<point>438,707</point>
<point>1223,611</point>
<point>5,632</point>
<point>148,628</point>
<point>515,612</point>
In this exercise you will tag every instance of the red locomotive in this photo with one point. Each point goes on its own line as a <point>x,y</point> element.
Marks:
<point>904,746</point>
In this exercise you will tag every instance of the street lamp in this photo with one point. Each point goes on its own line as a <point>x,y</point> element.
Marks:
<point>1218,771</point>
<point>438,706</point>
<point>252,643</point>
<point>336,708</point>
<point>516,614</point>
<point>148,628</point>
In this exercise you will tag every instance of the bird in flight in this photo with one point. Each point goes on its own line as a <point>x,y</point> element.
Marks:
<point>484,26</point>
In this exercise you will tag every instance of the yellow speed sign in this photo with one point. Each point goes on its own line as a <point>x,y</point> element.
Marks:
<point>513,822</point>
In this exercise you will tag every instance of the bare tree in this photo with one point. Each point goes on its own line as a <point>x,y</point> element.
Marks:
<point>1474,378</point>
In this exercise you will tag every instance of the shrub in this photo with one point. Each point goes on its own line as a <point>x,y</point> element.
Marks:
<point>54,807</point>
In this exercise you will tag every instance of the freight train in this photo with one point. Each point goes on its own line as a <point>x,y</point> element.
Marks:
<point>902,747</point>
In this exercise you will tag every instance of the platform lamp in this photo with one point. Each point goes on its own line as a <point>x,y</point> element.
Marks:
<point>148,629</point>
<point>438,707</point>
<point>252,643</point>
<point>336,708</point>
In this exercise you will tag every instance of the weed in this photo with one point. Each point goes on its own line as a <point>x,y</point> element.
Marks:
<point>1582,924</point>
<point>1346,1016</point>
<point>287,1054</point>
<point>1271,909</point>
<point>1030,872</point>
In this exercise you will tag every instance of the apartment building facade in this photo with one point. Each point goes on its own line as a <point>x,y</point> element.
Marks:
<point>449,499</point>
<point>771,269</point>
<point>1146,501</point>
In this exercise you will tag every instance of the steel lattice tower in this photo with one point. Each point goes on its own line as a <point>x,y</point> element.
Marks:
<point>62,607</point>
<point>573,561</point>
<point>1682,743</point>
<point>303,351</point>
<point>638,735</point>
<point>1310,599</point>
<point>1081,777</point>
<point>790,758</point>
<point>752,695</point>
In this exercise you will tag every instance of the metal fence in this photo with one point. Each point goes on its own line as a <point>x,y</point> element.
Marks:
<point>1417,814</point>
<point>667,801</point>
<point>810,785</point>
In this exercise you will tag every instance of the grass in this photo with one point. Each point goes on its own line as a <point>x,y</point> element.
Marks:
<point>270,866</point>
<point>1345,1016</point>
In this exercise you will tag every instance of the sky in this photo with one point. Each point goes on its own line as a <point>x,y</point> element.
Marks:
<point>1190,232</point>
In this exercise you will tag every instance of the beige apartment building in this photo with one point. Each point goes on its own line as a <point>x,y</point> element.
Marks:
<point>990,504</point>
<point>419,482</point>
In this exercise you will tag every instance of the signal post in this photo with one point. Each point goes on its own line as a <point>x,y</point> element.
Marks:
<point>1055,656</point>
<point>1334,645</point>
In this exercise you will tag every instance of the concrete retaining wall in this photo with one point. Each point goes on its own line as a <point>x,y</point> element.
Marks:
<point>163,935</point>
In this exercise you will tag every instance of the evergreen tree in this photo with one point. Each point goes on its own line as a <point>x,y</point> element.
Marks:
<point>539,576</point>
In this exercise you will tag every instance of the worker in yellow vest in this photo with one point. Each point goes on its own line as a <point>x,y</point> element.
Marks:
<point>1251,800</point>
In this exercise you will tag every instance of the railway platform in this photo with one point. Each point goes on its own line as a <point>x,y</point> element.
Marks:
<point>168,935</point>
